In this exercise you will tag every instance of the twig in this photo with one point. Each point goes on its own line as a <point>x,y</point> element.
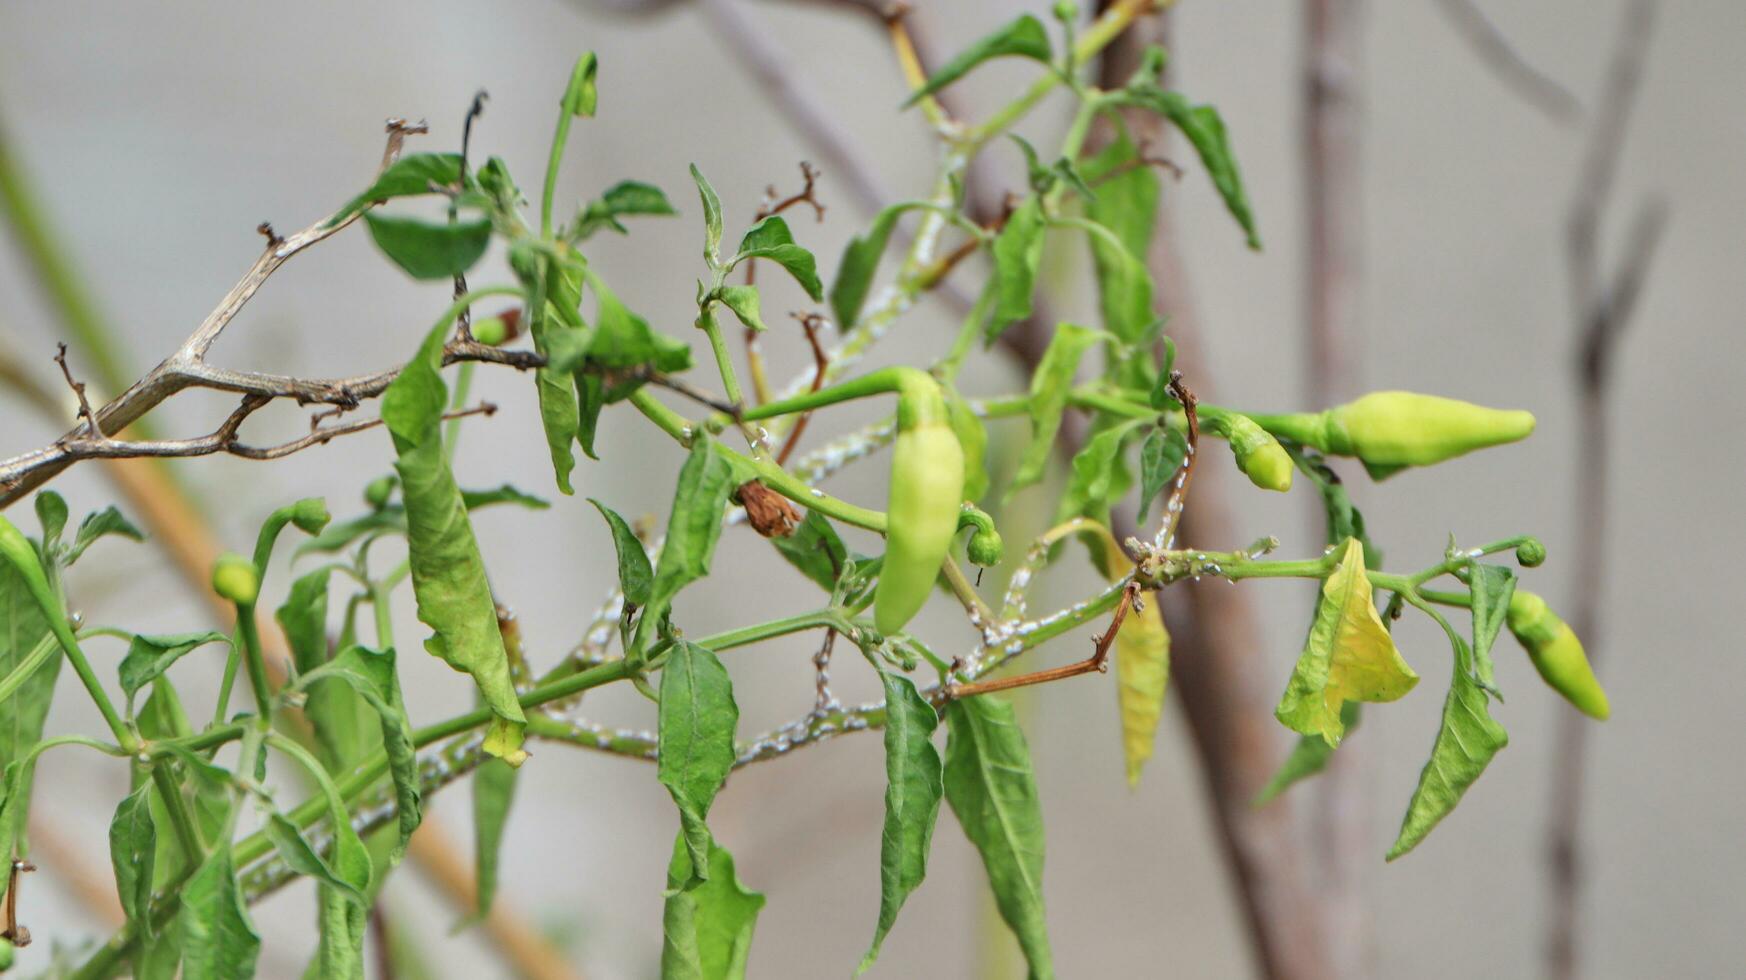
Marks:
<point>1098,661</point>
<point>809,322</point>
<point>1602,308</point>
<point>1493,47</point>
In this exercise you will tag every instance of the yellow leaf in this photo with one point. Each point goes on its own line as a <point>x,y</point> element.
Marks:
<point>1142,671</point>
<point>1142,660</point>
<point>1349,655</point>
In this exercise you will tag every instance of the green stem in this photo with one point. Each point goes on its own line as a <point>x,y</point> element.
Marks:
<point>379,605</point>
<point>32,661</point>
<point>255,661</point>
<point>180,818</point>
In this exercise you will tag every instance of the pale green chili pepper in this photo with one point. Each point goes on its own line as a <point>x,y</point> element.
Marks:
<point>1557,654</point>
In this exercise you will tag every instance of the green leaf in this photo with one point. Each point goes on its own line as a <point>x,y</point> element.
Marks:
<point>1126,205</point>
<point>771,239</point>
<point>972,438</point>
<point>302,858</point>
<point>743,300</point>
<point>1492,586</point>
<point>1465,745</point>
<point>693,527</point>
<point>635,577</point>
<point>1018,252</point>
<point>51,513</point>
<point>20,779</point>
<point>1022,38</point>
<point>1050,386</point>
<point>409,176</point>
<point>448,574</point>
<point>430,251</point>
<point>133,846</point>
<point>706,929</point>
<point>149,656</point>
<point>1161,455</point>
<point>711,218</point>
<point>493,792</point>
<point>696,741</point>
<point>99,524</point>
<point>1308,757</point>
<point>25,644</point>
<point>344,733</point>
<point>623,198</point>
<point>1205,131</point>
<point>1100,477</point>
<point>624,340</point>
<point>992,790</point>
<point>371,674</point>
<point>217,937</point>
<point>860,261</point>
<point>815,549</point>
<point>1349,655</point>
<point>912,801</point>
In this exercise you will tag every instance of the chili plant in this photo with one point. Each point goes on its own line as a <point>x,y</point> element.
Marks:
<point>186,870</point>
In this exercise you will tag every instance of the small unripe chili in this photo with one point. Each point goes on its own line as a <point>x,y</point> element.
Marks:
<point>927,491</point>
<point>1556,653</point>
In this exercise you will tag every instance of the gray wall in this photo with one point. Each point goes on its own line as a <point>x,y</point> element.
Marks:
<point>161,135</point>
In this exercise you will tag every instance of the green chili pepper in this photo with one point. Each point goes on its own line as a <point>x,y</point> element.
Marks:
<point>1259,455</point>
<point>927,491</point>
<point>8,953</point>
<point>1392,429</point>
<point>1557,654</point>
<point>235,578</point>
<point>985,548</point>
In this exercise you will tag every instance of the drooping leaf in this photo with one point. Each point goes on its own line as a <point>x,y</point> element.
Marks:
<point>1142,658</point>
<point>623,198</point>
<point>711,218</point>
<point>693,527</point>
<point>133,845</point>
<point>493,792</point>
<point>217,937</point>
<point>427,250</point>
<point>1050,386</point>
<point>411,175</point>
<point>1466,742</point>
<point>697,719</point>
<point>815,549</point>
<point>706,929</point>
<point>1018,253</point>
<point>149,656</point>
<point>448,574</point>
<point>635,577</point>
<point>1492,586</point>
<point>624,340</point>
<point>1309,756</point>
<point>1205,131</point>
<point>1161,455</point>
<point>1349,656</point>
<point>771,239</point>
<point>990,785</point>
<point>743,300</point>
<point>1022,38</point>
<point>913,787</point>
<point>371,674</point>
<point>859,262</point>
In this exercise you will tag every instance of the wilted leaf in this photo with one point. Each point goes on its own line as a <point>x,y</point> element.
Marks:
<point>706,928</point>
<point>1349,655</point>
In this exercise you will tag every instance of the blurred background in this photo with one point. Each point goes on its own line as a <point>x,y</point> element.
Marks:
<point>157,138</point>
